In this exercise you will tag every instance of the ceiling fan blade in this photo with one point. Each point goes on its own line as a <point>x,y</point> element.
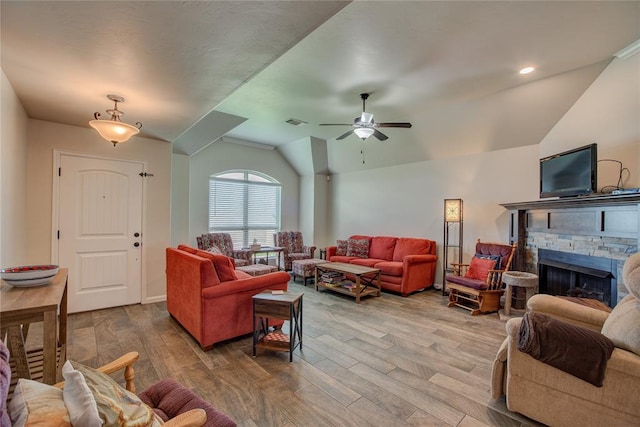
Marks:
<point>393,125</point>
<point>381,136</point>
<point>335,124</point>
<point>344,135</point>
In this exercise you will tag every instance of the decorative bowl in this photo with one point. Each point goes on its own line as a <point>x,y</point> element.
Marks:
<point>29,275</point>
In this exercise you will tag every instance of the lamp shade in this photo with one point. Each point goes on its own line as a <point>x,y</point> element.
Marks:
<point>453,210</point>
<point>363,133</point>
<point>114,131</point>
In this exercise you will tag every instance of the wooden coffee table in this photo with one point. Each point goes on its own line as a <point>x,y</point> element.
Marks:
<point>367,279</point>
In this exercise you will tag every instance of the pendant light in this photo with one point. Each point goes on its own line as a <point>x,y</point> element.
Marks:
<point>114,130</point>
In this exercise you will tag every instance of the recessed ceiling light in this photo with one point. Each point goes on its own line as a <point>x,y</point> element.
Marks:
<point>527,70</point>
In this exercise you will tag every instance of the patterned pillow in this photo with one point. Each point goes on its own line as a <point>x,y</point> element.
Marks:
<point>116,405</point>
<point>341,247</point>
<point>358,248</point>
<point>34,403</point>
<point>215,250</point>
<point>479,268</point>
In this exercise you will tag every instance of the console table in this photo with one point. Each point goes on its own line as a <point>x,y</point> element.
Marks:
<point>19,307</point>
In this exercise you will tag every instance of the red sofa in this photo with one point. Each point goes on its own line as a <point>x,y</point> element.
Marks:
<point>406,264</point>
<point>211,299</point>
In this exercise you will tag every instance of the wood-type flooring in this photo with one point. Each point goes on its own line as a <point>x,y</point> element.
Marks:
<point>388,361</point>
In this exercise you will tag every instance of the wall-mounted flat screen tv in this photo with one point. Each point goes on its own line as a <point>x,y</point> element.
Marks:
<point>571,173</point>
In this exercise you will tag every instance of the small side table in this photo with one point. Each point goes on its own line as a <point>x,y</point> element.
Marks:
<point>520,279</point>
<point>285,306</point>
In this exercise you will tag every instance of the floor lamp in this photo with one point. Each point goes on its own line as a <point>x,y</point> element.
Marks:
<point>452,218</point>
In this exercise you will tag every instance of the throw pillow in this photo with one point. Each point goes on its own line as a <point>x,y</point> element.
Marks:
<point>631,274</point>
<point>341,249</point>
<point>82,407</point>
<point>358,248</point>
<point>116,405</point>
<point>34,403</point>
<point>496,258</point>
<point>621,326</point>
<point>215,250</point>
<point>225,267</point>
<point>479,268</point>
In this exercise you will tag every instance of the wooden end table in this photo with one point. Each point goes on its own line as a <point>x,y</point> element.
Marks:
<point>281,306</point>
<point>19,307</point>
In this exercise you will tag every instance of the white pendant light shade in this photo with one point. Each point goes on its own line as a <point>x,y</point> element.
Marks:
<point>114,130</point>
<point>363,133</point>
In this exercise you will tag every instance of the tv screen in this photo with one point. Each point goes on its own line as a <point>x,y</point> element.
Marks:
<point>572,173</point>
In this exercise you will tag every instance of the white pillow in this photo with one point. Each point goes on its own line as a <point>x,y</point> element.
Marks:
<point>623,324</point>
<point>82,406</point>
<point>34,403</point>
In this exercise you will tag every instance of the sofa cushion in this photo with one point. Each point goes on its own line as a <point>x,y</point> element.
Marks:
<point>393,268</point>
<point>188,249</point>
<point>366,262</point>
<point>622,325</point>
<point>243,275</point>
<point>224,265</point>
<point>631,274</point>
<point>382,247</point>
<point>410,246</point>
<point>468,282</point>
<point>345,259</point>
<point>358,248</point>
<point>341,247</point>
<point>479,268</point>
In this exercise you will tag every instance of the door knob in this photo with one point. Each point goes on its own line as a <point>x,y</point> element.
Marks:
<point>136,244</point>
<point>136,234</point>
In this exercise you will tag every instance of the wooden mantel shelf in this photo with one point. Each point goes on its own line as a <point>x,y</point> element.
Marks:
<point>576,202</point>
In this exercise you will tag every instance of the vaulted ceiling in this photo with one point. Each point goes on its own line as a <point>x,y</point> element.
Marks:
<point>193,72</point>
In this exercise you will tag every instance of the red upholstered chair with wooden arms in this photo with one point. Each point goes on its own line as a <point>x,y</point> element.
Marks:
<point>478,286</point>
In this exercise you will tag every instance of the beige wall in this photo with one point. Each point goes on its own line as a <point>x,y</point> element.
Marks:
<point>180,164</point>
<point>608,113</point>
<point>408,200</point>
<point>221,156</point>
<point>13,178</point>
<point>44,137</point>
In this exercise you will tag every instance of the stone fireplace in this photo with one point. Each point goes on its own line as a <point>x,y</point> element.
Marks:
<point>577,246</point>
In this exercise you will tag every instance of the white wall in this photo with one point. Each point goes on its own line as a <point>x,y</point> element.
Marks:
<point>608,113</point>
<point>408,200</point>
<point>221,156</point>
<point>13,178</point>
<point>44,137</point>
<point>179,199</point>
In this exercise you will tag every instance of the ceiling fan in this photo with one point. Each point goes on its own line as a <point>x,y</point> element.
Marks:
<point>364,126</point>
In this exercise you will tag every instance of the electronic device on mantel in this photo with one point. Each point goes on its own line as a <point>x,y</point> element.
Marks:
<point>570,173</point>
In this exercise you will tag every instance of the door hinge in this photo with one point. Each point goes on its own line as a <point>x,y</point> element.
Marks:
<point>59,171</point>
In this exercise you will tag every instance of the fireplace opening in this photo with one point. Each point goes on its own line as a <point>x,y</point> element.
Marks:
<point>576,275</point>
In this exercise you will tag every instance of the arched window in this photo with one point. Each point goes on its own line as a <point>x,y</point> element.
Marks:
<point>245,204</point>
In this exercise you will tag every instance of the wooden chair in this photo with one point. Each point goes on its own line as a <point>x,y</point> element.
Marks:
<point>480,293</point>
<point>191,418</point>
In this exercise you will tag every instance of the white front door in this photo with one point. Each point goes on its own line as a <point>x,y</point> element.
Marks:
<point>100,228</point>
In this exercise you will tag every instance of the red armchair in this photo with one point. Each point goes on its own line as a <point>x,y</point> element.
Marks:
<point>210,300</point>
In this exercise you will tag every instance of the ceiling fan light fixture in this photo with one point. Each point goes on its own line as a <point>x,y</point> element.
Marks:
<point>114,130</point>
<point>363,133</point>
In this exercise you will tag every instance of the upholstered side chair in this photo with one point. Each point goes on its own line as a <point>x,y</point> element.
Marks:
<point>224,244</point>
<point>294,248</point>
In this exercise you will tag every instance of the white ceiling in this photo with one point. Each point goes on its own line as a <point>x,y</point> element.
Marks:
<point>195,71</point>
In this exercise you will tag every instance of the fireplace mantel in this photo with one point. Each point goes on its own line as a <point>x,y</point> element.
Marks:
<point>597,226</point>
<point>576,202</point>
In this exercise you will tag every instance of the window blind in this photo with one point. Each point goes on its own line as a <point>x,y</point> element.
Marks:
<point>247,209</point>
